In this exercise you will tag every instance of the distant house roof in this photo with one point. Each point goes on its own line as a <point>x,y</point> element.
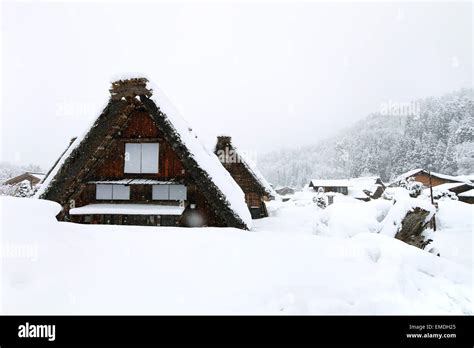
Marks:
<point>370,186</point>
<point>413,172</point>
<point>329,183</point>
<point>250,166</point>
<point>469,177</point>
<point>456,187</point>
<point>368,183</point>
<point>24,176</point>
<point>37,175</point>
<point>285,190</point>
<point>356,192</point>
<point>469,193</point>
<point>448,186</point>
<point>360,188</point>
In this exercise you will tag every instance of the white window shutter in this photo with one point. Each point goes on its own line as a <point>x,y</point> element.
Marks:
<point>120,192</point>
<point>160,192</point>
<point>103,191</point>
<point>178,192</point>
<point>133,158</point>
<point>150,158</point>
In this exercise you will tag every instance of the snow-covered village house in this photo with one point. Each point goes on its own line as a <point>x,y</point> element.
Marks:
<point>423,176</point>
<point>462,190</point>
<point>244,171</point>
<point>140,164</point>
<point>442,184</point>
<point>338,186</point>
<point>363,188</point>
<point>32,177</point>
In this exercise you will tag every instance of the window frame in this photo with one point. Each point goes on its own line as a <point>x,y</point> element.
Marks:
<point>140,152</point>
<point>180,195</point>
<point>111,197</point>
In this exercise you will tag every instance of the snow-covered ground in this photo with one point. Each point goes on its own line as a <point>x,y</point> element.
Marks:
<point>299,260</point>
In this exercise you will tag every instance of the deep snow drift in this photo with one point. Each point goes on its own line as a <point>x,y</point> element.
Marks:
<point>299,260</point>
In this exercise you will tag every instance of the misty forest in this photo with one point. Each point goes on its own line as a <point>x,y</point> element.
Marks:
<point>439,137</point>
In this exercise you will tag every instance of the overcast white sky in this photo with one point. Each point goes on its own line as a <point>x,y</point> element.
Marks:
<point>272,75</point>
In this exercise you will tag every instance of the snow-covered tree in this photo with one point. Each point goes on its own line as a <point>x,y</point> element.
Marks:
<point>321,199</point>
<point>8,190</point>
<point>444,195</point>
<point>24,189</point>
<point>385,145</point>
<point>465,158</point>
<point>414,187</point>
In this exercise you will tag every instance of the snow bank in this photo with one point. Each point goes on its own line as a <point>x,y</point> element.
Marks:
<point>349,217</point>
<point>403,204</point>
<point>454,238</point>
<point>104,269</point>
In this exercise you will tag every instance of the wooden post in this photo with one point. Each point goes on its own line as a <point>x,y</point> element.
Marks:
<point>433,219</point>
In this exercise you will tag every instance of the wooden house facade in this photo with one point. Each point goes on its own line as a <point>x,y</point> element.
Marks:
<point>256,189</point>
<point>329,185</point>
<point>140,164</point>
<point>362,188</point>
<point>423,176</point>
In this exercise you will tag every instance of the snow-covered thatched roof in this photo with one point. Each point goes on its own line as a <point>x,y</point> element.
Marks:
<point>213,180</point>
<point>224,143</point>
<point>252,168</point>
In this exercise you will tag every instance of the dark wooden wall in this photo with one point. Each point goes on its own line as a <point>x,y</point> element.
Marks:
<point>245,180</point>
<point>254,196</point>
<point>141,129</point>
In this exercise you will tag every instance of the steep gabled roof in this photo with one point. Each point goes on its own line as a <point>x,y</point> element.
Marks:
<point>248,163</point>
<point>69,175</point>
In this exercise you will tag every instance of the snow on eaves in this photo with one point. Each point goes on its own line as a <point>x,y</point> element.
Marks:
<point>469,193</point>
<point>37,175</point>
<point>468,177</point>
<point>48,180</point>
<point>252,168</point>
<point>445,187</point>
<point>330,182</point>
<point>207,160</point>
<point>413,172</point>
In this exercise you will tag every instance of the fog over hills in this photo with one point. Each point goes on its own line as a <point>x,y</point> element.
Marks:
<point>435,133</point>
